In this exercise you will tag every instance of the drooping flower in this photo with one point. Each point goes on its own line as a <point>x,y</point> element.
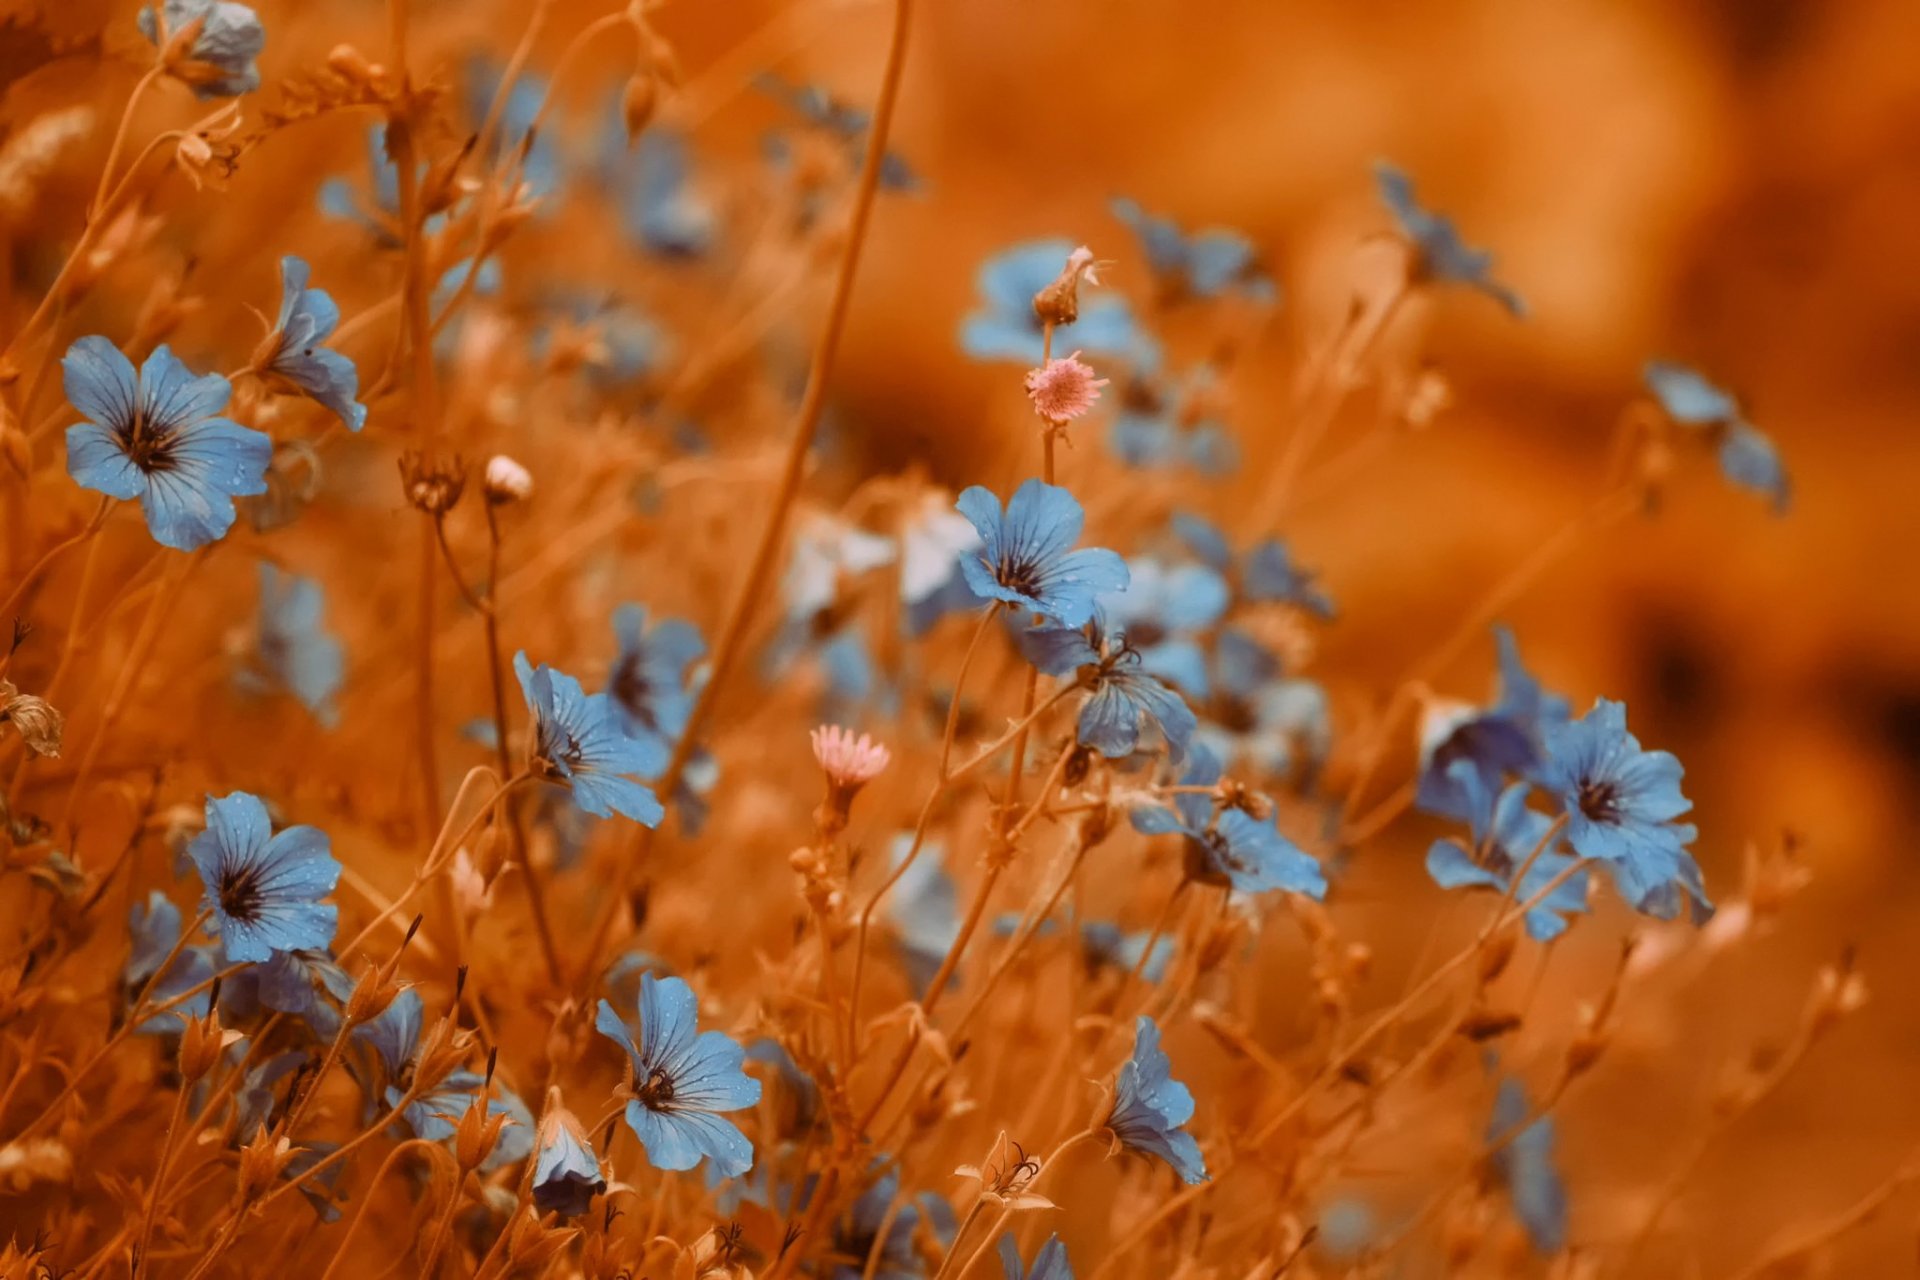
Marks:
<point>1504,832</point>
<point>566,1174</point>
<point>262,889</point>
<point>925,907</point>
<point>293,351</point>
<point>1621,804</point>
<point>1748,458</point>
<point>1150,1106</point>
<point>1027,556</point>
<point>1229,846</point>
<point>1200,264</point>
<point>648,684</point>
<point>1062,390</point>
<point>680,1082</point>
<point>225,39</point>
<point>578,741</point>
<point>435,1115</point>
<point>1443,255</point>
<point>1007,328</point>
<point>1527,1167</point>
<point>1125,700</point>
<point>1050,1263</point>
<point>154,436</point>
<point>296,650</point>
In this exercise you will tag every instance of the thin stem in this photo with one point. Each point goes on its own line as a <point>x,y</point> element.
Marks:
<point>1005,1211</point>
<point>159,1176</point>
<point>140,87</point>
<point>367,1198</point>
<point>52,553</point>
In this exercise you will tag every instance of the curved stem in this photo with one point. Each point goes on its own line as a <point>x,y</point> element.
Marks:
<point>140,87</point>
<point>52,553</point>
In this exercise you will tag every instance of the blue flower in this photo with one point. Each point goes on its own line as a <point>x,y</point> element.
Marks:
<point>308,318</point>
<point>1259,716</point>
<point>924,907</point>
<point>1621,803</point>
<point>540,171</point>
<point>681,1081</point>
<point>1504,832</point>
<point>1125,697</point>
<point>1163,610</point>
<point>263,890</point>
<point>578,740</point>
<point>1443,255</point>
<point>1520,697</point>
<point>1048,1264</point>
<point>297,652</point>
<point>933,540</point>
<point>566,1174</point>
<point>1105,945</point>
<point>1205,264</point>
<point>826,550</point>
<point>1149,1106</point>
<point>435,1116</point>
<point>648,685</point>
<point>155,437</point>
<point>291,982</point>
<point>1027,558</point>
<point>1266,573</point>
<point>858,1237</point>
<point>1229,847</point>
<point>1526,1165</point>
<point>1157,428</point>
<point>1748,458</point>
<point>394,1034</point>
<point>845,122</point>
<point>221,61</point>
<point>340,199</point>
<point>154,927</point>
<point>1008,329</point>
<point>650,180</point>
<point>1505,740</point>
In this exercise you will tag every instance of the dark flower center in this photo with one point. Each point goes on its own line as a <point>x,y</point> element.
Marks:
<point>1599,800</point>
<point>633,691</point>
<point>557,746</point>
<point>149,445</point>
<point>1210,859</point>
<point>656,1091</point>
<point>1022,576</point>
<point>241,894</point>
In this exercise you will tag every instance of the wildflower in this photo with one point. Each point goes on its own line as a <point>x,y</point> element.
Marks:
<point>858,1235</point>
<point>578,741</point>
<point>651,182</point>
<point>566,1175</point>
<point>1126,698</point>
<point>1048,1264</point>
<point>1163,426</point>
<point>154,436</point>
<point>826,549</point>
<point>1231,847</point>
<point>263,889</point>
<point>925,908</point>
<point>1505,833</point>
<point>1060,301</point>
<point>1009,328</point>
<point>435,1116</point>
<point>1260,716</point>
<point>1161,615</point>
<point>210,44</point>
<point>507,481</point>
<point>1149,1106</point>
<point>292,352</point>
<point>1204,264</point>
<point>1266,573</point>
<point>1526,1165</point>
<point>648,686</point>
<point>291,982</point>
<point>850,763</point>
<point>1442,254</point>
<point>681,1081</point>
<point>933,539</point>
<point>1747,457</point>
<point>1026,555</point>
<point>1520,697</point>
<point>299,654</point>
<point>38,721</point>
<point>1062,390</point>
<point>394,1035</point>
<point>1620,804</point>
<point>1505,740</point>
<point>339,199</point>
<point>154,927</point>
<point>539,158</point>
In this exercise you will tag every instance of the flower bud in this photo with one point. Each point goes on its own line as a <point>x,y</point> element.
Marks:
<point>1059,302</point>
<point>507,481</point>
<point>261,1163</point>
<point>638,101</point>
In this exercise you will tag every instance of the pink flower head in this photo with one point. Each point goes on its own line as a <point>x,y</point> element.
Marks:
<point>850,763</point>
<point>1063,389</point>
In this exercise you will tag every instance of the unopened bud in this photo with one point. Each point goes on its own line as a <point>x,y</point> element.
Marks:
<point>261,1163</point>
<point>507,481</point>
<point>478,1132</point>
<point>203,1041</point>
<point>432,486</point>
<point>1059,302</point>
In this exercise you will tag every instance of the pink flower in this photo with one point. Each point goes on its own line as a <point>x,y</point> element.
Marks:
<point>1063,389</point>
<point>850,762</point>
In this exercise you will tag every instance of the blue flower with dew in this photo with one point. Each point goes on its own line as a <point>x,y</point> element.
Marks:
<point>1125,698</point>
<point>1526,1165</point>
<point>579,741</point>
<point>1229,846</point>
<point>1748,459</point>
<point>1442,254</point>
<point>681,1082</point>
<point>1504,833</point>
<point>1008,329</point>
<point>293,352</point>
<point>1050,1263</point>
<point>263,890</point>
<point>220,63</point>
<point>1621,804</point>
<point>436,1114</point>
<point>1027,556</point>
<point>296,650</point>
<point>566,1173</point>
<point>1199,264</point>
<point>1150,1106</point>
<point>156,436</point>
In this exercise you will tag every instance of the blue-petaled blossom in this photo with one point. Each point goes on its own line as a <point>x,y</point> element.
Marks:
<point>1125,699</point>
<point>1006,328</point>
<point>435,1116</point>
<point>924,906</point>
<point>293,351</point>
<point>1621,804</point>
<point>933,540</point>
<point>681,1081</point>
<point>296,650</point>
<point>1162,614</point>
<point>294,982</point>
<point>650,179</point>
<point>1504,833</point>
<point>1230,846</point>
<point>1519,695</point>
<point>262,889</point>
<point>826,550</point>
<point>341,199</point>
<point>578,740</point>
<point>1748,458</point>
<point>841,120</point>
<point>394,1035</point>
<point>154,927</point>
<point>1261,717</point>
<point>1506,740</point>
<point>1527,1166</point>
<point>1266,573</point>
<point>1150,1106</point>
<point>220,61</point>
<point>517,115</point>
<point>1164,423</point>
<point>1027,556</point>
<point>648,684</point>
<point>1050,1263</point>
<point>156,436</point>
<point>1443,255</point>
<point>566,1174</point>
<point>858,1237</point>
<point>1198,264</point>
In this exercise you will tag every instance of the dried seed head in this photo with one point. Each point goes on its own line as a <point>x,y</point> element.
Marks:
<point>39,721</point>
<point>432,486</point>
